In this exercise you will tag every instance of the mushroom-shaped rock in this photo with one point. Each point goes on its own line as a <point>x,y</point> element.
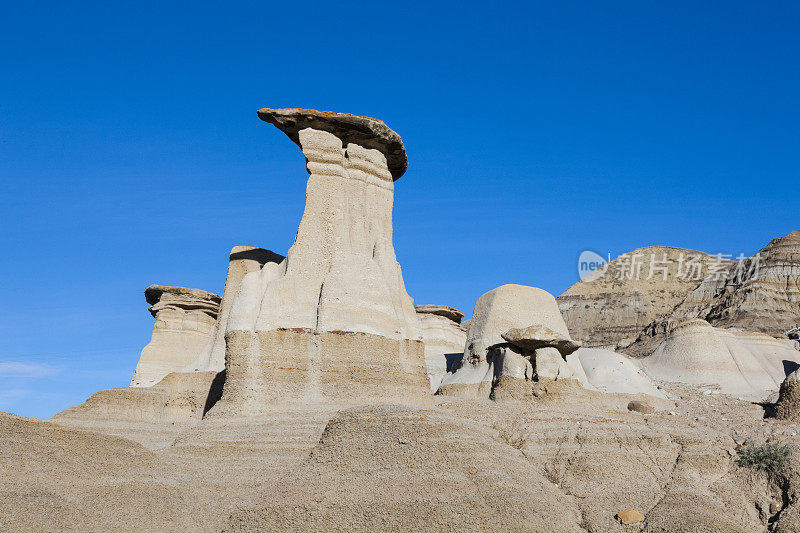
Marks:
<point>332,323</point>
<point>788,406</point>
<point>506,307</point>
<point>540,336</point>
<point>366,132</point>
<point>185,321</point>
<point>441,310</point>
<point>496,312</point>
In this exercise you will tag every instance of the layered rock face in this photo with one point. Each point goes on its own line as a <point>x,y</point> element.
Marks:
<point>750,366</point>
<point>153,415</point>
<point>611,306</point>
<point>242,261</point>
<point>185,322</point>
<point>761,293</point>
<point>333,321</point>
<point>444,338</point>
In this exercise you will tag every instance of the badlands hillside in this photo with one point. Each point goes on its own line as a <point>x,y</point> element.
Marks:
<point>313,395</point>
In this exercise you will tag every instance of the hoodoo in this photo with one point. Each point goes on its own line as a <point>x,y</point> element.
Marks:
<point>333,321</point>
<point>184,324</point>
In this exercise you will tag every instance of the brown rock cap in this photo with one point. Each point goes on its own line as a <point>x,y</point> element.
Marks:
<point>365,131</point>
<point>540,336</point>
<point>153,294</point>
<point>442,310</point>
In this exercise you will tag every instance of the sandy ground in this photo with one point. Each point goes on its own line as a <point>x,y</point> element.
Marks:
<point>568,460</point>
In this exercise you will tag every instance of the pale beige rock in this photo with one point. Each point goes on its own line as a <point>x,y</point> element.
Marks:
<point>510,362</point>
<point>333,321</point>
<point>242,261</point>
<point>746,365</point>
<point>759,293</point>
<point>446,311</point>
<point>152,415</point>
<point>465,463</point>
<point>539,336</point>
<point>487,485</point>
<point>184,324</point>
<point>549,363</point>
<point>566,459</point>
<point>611,373</point>
<point>497,311</point>
<point>507,307</point>
<point>514,369</point>
<point>598,370</point>
<point>444,340</point>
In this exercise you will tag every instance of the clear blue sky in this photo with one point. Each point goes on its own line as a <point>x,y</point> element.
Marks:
<point>131,154</point>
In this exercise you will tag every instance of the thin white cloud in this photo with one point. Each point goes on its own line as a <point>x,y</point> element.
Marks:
<point>16,369</point>
<point>9,398</point>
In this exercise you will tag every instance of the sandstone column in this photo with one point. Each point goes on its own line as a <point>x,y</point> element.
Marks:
<point>242,261</point>
<point>185,321</point>
<point>333,321</point>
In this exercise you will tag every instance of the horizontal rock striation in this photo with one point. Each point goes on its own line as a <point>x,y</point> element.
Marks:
<point>766,296</point>
<point>444,339</point>
<point>366,132</point>
<point>184,323</point>
<point>154,415</point>
<point>611,306</point>
<point>760,293</point>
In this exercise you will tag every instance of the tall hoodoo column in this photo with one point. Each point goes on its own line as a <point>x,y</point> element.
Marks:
<point>333,321</point>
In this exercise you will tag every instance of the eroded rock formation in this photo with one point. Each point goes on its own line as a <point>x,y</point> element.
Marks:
<point>152,415</point>
<point>444,338</point>
<point>242,261</point>
<point>329,326</point>
<point>333,321</point>
<point>788,404</point>
<point>185,322</point>
<point>402,450</point>
<point>747,365</point>
<point>759,293</point>
<point>610,372</point>
<point>539,336</point>
<point>611,306</point>
<point>765,296</point>
<point>496,312</point>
